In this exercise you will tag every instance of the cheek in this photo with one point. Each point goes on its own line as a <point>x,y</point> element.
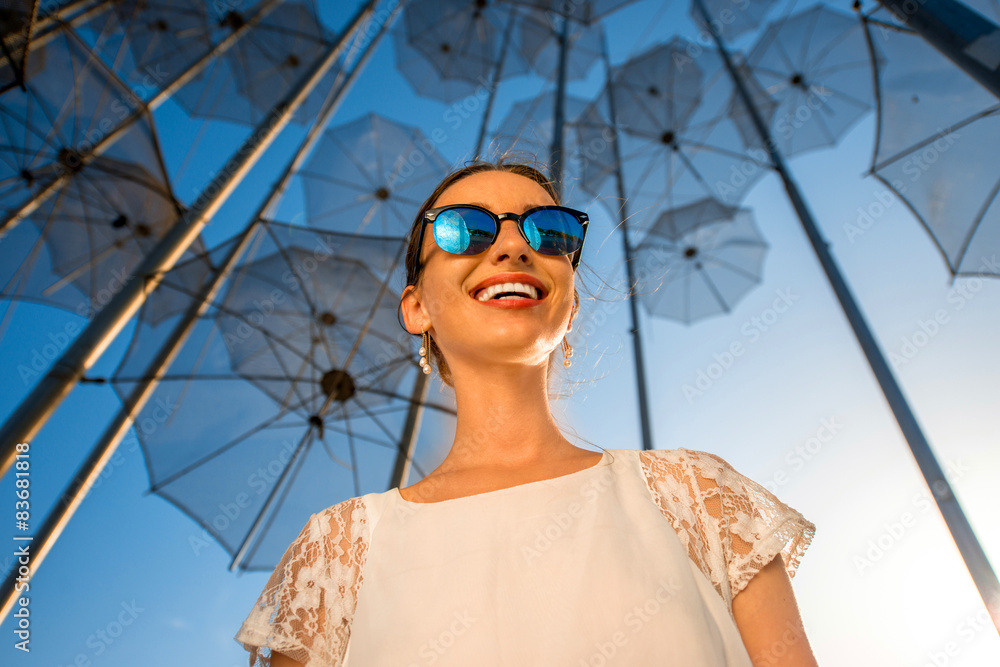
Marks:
<point>441,297</point>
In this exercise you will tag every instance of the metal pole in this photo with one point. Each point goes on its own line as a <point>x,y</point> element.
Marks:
<point>495,82</point>
<point>640,366</point>
<point>964,36</point>
<point>961,531</point>
<point>85,350</point>
<point>408,443</point>
<point>73,495</point>
<point>556,154</point>
<point>48,23</point>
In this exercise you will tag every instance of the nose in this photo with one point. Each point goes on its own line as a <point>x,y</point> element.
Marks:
<point>510,244</point>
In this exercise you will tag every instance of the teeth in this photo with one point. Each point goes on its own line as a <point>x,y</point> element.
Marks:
<point>527,290</point>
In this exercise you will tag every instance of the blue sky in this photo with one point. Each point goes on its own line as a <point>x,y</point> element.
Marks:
<point>129,582</point>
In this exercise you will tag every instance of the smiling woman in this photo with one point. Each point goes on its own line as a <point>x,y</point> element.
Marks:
<point>522,548</point>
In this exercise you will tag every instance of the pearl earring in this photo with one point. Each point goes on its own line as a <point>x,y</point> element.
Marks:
<point>567,352</point>
<point>425,346</point>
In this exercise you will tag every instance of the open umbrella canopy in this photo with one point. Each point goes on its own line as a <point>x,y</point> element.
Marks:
<point>78,247</point>
<point>936,147</point>
<point>151,43</point>
<point>711,256</point>
<point>305,347</point>
<point>815,64</point>
<point>71,102</point>
<point>244,83</point>
<point>370,176</point>
<point>677,130</point>
<point>446,50</point>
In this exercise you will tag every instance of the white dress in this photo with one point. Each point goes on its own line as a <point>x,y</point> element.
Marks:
<point>634,561</point>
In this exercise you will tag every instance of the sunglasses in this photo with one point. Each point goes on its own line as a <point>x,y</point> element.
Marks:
<point>465,229</point>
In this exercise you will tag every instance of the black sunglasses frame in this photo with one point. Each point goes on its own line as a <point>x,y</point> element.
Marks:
<point>430,215</point>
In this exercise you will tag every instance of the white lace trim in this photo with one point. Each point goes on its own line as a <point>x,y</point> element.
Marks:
<point>734,527</point>
<point>732,530</point>
<point>307,606</point>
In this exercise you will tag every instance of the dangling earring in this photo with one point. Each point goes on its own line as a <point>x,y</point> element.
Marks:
<point>425,346</point>
<point>567,352</point>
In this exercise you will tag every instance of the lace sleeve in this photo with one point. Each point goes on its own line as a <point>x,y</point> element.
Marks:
<point>306,608</point>
<point>731,525</point>
<point>753,525</point>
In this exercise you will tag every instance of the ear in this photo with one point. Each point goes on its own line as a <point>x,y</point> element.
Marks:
<point>414,314</point>
<point>576,309</point>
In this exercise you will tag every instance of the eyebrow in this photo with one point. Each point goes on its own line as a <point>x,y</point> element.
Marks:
<point>482,205</point>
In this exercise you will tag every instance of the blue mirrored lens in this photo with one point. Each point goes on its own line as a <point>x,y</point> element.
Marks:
<point>553,232</point>
<point>463,231</point>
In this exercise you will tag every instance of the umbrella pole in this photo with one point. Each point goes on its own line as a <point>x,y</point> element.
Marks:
<point>640,366</point>
<point>953,29</point>
<point>494,84</point>
<point>408,443</point>
<point>73,495</point>
<point>556,153</point>
<point>49,22</point>
<point>958,524</point>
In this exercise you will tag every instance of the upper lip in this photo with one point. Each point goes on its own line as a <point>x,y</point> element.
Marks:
<point>522,278</point>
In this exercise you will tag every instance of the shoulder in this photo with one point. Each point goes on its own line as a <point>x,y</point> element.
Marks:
<point>682,455</point>
<point>352,517</point>
<point>682,462</point>
<point>705,479</point>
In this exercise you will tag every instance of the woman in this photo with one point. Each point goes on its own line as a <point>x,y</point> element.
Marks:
<point>522,548</point>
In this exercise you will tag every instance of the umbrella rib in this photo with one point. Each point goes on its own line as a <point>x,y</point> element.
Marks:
<point>332,426</point>
<point>813,21</point>
<point>385,369</point>
<point>283,494</point>
<point>201,356</point>
<point>282,252</point>
<point>697,175</point>
<point>126,171</point>
<point>836,42</point>
<point>36,247</point>
<point>721,263</point>
<point>307,173</point>
<point>989,201</point>
<point>346,465</point>
<point>295,381</point>
<point>715,292</point>
<point>375,419</point>
<point>44,138</point>
<point>350,154</point>
<point>404,150</point>
<point>353,451</point>
<point>786,58</point>
<point>224,448</point>
<point>264,332</point>
<point>436,406</point>
<point>903,153</point>
<point>847,98</point>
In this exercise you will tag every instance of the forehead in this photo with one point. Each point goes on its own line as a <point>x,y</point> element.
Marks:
<point>499,191</point>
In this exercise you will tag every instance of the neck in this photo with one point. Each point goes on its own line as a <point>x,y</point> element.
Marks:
<point>504,419</point>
